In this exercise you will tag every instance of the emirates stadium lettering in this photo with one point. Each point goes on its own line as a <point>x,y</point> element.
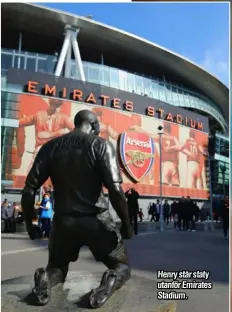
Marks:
<point>81,95</point>
<point>138,143</point>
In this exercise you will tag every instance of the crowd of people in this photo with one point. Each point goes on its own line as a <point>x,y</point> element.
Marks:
<point>184,213</point>
<point>11,214</point>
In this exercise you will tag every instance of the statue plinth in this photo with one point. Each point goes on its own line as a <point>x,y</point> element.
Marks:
<point>139,294</point>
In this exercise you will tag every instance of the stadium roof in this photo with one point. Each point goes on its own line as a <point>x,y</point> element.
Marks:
<point>43,20</point>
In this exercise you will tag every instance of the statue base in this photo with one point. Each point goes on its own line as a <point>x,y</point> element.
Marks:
<point>138,294</point>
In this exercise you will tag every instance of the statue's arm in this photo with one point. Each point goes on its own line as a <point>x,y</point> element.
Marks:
<point>112,180</point>
<point>118,201</point>
<point>38,174</point>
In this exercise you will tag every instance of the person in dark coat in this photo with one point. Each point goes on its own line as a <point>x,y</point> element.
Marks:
<point>196,212</point>
<point>166,211</point>
<point>158,210</point>
<point>225,216</point>
<point>190,212</point>
<point>8,215</point>
<point>181,214</point>
<point>133,207</point>
<point>152,212</point>
<point>174,212</point>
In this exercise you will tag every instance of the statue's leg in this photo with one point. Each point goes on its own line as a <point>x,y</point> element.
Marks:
<point>60,255</point>
<point>118,274</point>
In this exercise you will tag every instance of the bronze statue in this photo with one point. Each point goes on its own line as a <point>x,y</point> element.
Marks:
<point>79,164</point>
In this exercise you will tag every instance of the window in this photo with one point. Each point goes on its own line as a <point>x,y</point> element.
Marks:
<point>130,82</point>
<point>169,94</point>
<point>42,64</point>
<point>93,73</point>
<point>139,85</point>
<point>6,61</point>
<point>147,86</point>
<point>49,64</point>
<point>114,78</point>
<point>186,98</point>
<point>7,142</point>
<point>122,80</point>
<point>162,92</point>
<point>74,73</point>
<point>105,76</point>
<point>175,96</point>
<point>30,64</point>
<point>19,62</point>
<point>154,90</point>
<point>85,67</point>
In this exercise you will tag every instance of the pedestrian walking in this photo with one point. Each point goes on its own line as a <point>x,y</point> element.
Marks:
<point>141,215</point>
<point>158,210</point>
<point>133,207</point>
<point>166,212</point>
<point>45,217</point>
<point>152,212</point>
<point>181,214</point>
<point>190,215</point>
<point>225,216</point>
<point>174,210</point>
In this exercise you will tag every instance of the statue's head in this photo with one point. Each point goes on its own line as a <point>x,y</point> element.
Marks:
<point>87,121</point>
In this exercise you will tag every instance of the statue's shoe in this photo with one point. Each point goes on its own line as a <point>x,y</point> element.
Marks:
<point>109,283</point>
<point>100,295</point>
<point>42,289</point>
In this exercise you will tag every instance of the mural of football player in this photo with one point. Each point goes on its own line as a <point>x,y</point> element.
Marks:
<point>170,154</point>
<point>49,124</point>
<point>170,157</point>
<point>193,150</point>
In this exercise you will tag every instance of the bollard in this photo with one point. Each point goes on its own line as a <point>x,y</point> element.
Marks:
<point>205,226</point>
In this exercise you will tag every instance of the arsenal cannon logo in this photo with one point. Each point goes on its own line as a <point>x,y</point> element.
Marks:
<point>137,153</point>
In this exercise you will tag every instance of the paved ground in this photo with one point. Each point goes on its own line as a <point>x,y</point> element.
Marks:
<point>149,252</point>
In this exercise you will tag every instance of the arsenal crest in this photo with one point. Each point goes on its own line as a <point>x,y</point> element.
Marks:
<point>137,153</point>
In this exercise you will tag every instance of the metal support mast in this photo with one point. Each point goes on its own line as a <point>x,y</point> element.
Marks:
<point>70,42</point>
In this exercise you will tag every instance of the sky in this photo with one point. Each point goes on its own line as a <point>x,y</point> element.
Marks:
<point>197,31</point>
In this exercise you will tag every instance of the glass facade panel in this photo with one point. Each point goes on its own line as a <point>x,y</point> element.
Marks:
<point>74,72</point>
<point>93,73</point>
<point>42,65</point>
<point>169,94</point>
<point>105,76</point>
<point>162,92</point>
<point>8,147</point>
<point>9,105</point>
<point>108,76</point>
<point>130,83</point>
<point>19,62</point>
<point>175,96</point>
<point>30,64</point>
<point>114,78</point>
<point>6,61</point>
<point>154,90</point>
<point>147,86</point>
<point>181,96</point>
<point>139,85</point>
<point>122,80</point>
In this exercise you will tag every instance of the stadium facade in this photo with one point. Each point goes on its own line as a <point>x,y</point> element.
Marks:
<point>54,64</point>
